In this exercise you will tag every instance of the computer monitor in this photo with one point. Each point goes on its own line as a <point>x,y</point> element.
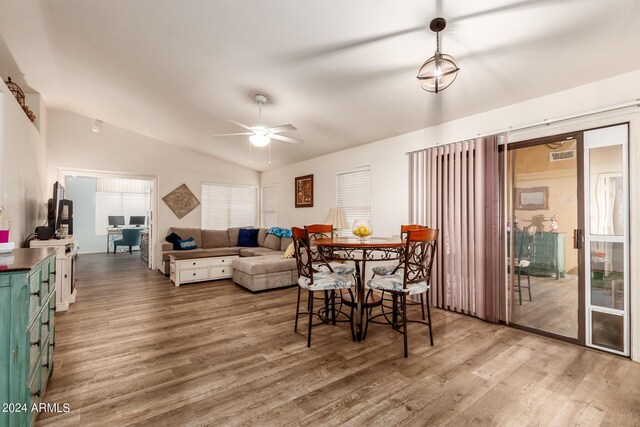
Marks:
<point>137,220</point>
<point>116,221</point>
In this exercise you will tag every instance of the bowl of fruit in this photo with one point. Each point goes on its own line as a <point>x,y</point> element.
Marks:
<point>362,228</point>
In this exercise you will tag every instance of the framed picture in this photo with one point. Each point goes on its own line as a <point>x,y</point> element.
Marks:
<point>304,191</point>
<point>532,199</point>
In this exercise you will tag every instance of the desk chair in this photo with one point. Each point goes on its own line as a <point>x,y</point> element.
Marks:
<point>130,237</point>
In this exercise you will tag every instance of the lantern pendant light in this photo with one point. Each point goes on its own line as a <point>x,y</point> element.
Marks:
<point>439,71</point>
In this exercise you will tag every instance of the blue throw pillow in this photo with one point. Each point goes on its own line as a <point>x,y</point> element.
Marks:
<point>280,232</point>
<point>187,244</point>
<point>248,237</point>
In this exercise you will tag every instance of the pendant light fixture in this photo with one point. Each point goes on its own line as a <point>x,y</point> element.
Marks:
<point>439,71</point>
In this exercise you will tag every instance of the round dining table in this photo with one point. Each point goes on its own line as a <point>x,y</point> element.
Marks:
<point>361,251</point>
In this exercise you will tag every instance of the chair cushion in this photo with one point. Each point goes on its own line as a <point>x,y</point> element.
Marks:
<point>386,270</point>
<point>215,239</point>
<point>248,237</point>
<point>323,282</point>
<point>337,268</point>
<point>272,242</point>
<point>394,283</point>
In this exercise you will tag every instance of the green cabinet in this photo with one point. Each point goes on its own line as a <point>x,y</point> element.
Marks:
<point>27,332</point>
<point>547,253</point>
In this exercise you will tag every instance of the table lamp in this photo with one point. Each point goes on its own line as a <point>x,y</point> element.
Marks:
<point>337,218</point>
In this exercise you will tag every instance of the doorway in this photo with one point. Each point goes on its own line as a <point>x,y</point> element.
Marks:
<point>567,237</point>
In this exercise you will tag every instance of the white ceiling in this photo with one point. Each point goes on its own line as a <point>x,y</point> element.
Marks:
<point>343,72</point>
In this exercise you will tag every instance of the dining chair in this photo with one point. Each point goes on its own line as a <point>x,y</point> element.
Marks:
<point>389,269</point>
<point>414,278</point>
<point>313,280</point>
<point>523,261</point>
<point>325,231</point>
<point>130,237</point>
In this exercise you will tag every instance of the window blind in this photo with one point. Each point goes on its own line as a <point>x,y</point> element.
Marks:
<point>269,206</point>
<point>115,204</point>
<point>225,206</point>
<point>353,194</point>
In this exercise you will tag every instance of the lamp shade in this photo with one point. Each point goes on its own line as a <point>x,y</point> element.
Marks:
<point>337,218</point>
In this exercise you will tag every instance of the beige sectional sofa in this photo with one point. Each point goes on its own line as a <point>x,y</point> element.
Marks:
<point>258,268</point>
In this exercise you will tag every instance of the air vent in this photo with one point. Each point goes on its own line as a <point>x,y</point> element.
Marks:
<point>558,156</point>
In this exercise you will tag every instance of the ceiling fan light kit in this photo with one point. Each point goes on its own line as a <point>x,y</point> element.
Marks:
<point>439,71</point>
<point>260,134</point>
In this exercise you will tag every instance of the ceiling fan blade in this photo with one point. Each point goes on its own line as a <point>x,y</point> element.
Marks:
<point>286,139</point>
<point>232,134</point>
<point>281,128</point>
<point>239,124</point>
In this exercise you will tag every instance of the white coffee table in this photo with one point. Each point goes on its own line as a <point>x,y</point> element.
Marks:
<point>190,270</point>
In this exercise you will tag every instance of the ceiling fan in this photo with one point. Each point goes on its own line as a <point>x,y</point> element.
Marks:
<point>260,134</point>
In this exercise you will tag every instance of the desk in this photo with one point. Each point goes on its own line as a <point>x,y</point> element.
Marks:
<point>113,233</point>
<point>360,251</point>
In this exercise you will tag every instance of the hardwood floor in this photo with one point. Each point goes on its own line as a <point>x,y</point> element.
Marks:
<point>135,350</point>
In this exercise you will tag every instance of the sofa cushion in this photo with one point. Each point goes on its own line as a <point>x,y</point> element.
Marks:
<point>272,242</point>
<point>285,242</point>
<point>185,233</point>
<point>233,234</point>
<point>248,237</point>
<point>262,234</point>
<point>215,239</point>
<point>256,251</point>
<point>264,264</point>
<point>201,253</point>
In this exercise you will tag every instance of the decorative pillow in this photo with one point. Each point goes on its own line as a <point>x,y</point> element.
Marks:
<point>187,244</point>
<point>174,239</point>
<point>289,252</point>
<point>280,232</point>
<point>248,237</point>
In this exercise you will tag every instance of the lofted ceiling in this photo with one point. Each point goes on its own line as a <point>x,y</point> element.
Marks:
<point>343,72</point>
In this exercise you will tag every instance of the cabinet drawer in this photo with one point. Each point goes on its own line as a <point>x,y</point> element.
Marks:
<point>34,344</point>
<point>199,274</point>
<point>45,323</point>
<point>219,262</point>
<point>35,393</point>
<point>45,368</point>
<point>52,310</point>
<point>194,263</point>
<point>219,272</point>
<point>44,286</point>
<point>34,295</point>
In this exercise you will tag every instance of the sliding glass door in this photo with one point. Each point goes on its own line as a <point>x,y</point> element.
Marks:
<point>567,237</point>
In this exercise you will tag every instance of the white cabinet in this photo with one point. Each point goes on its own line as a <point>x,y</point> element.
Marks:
<point>200,269</point>
<point>66,256</point>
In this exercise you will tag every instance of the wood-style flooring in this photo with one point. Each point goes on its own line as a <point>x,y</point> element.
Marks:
<point>135,350</point>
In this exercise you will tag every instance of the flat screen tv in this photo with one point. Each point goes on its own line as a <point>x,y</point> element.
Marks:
<point>54,205</point>
<point>137,220</point>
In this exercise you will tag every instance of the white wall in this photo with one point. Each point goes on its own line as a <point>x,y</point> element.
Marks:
<point>72,145</point>
<point>22,191</point>
<point>389,163</point>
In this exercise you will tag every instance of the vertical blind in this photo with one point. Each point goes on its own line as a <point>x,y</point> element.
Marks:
<point>269,206</point>
<point>120,197</point>
<point>225,206</point>
<point>353,194</point>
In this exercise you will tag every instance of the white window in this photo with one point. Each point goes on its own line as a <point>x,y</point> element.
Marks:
<point>225,206</point>
<point>120,197</point>
<point>269,206</point>
<point>353,191</point>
